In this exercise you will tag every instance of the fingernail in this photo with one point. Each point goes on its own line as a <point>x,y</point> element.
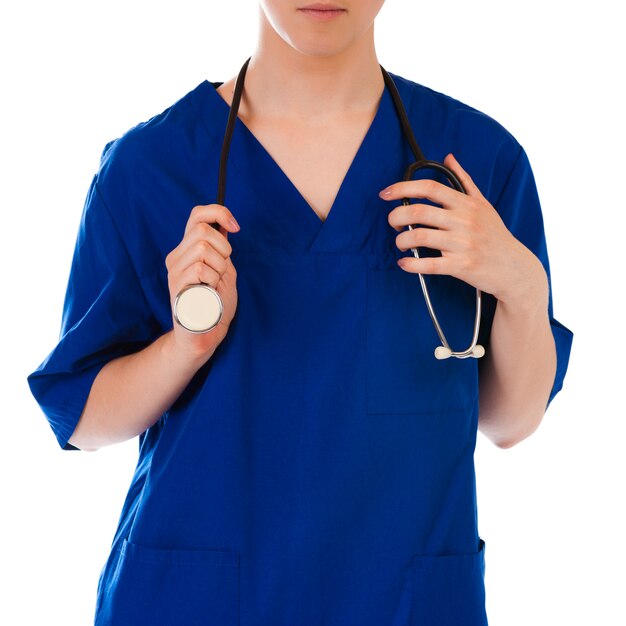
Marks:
<point>385,193</point>
<point>234,223</point>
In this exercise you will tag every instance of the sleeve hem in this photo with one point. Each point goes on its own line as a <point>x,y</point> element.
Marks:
<point>64,419</point>
<point>563,338</point>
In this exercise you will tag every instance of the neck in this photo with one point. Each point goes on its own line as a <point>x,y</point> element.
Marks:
<point>282,82</point>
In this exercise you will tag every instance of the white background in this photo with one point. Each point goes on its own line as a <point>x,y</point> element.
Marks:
<point>77,74</point>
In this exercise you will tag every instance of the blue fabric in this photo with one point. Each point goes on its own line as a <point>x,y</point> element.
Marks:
<point>318,469</point>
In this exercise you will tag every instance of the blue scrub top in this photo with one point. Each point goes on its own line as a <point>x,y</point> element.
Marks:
<point>318,469</point>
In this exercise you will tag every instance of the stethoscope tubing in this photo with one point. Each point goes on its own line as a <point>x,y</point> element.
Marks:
<point>441,352</point>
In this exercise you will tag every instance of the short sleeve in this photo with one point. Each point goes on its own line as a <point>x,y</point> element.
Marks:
<point>519,207</point>
<point>105,315</point>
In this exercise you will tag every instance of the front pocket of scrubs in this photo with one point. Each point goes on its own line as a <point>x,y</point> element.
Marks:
<point>402,373</point>
<point>175,587</point>
<point>449,590</point>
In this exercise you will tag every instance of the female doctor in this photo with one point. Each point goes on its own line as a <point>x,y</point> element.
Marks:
<point>307,461</point>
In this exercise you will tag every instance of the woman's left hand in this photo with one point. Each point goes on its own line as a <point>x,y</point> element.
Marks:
<point>475,244</point>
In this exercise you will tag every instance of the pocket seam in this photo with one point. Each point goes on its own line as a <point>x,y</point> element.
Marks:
<point>468,557</point>
<point>173,556</point>
<point>465,408</point>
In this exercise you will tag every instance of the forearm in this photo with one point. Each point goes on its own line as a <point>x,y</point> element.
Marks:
<point>131,392</point>
<point>518,371</point>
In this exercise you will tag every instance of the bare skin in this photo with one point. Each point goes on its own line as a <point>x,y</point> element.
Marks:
<point>311,92</point>
<point>315,155</point>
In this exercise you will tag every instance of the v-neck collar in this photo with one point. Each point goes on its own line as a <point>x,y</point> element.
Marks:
<point>366,175</point>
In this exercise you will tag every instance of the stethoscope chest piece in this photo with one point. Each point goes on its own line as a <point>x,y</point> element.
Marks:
<point>198,308</point>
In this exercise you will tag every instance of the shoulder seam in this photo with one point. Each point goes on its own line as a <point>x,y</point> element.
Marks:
<point>119,234</point>
<point>508,177</point>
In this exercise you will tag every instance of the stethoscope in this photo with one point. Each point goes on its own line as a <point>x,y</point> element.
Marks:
<point>198,308</point>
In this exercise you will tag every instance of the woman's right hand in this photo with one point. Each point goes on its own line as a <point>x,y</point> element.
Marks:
<point>203,256</point>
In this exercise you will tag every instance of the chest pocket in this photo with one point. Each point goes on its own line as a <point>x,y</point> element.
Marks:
<point>402,373</point>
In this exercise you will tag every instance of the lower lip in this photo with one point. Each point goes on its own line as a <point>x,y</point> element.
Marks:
<point>322,16</point>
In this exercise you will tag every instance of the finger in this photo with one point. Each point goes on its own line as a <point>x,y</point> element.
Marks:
<point>198,272</point>
<point>202,251</point>
<point>426,238</point>
<point>417,213</point>
<point>229,277</point>
<point>212,214</point>
<point>425,188</point>
<point>466,180</point>
<point>424,265</point>
<point>203,231</point>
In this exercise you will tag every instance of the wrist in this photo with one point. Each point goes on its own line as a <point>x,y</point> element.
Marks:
<point>181,358</point>
<point>531,292</point>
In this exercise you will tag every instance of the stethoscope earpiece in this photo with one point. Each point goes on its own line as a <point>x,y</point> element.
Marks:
<point>478,351</point>
<point>443,352</point>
